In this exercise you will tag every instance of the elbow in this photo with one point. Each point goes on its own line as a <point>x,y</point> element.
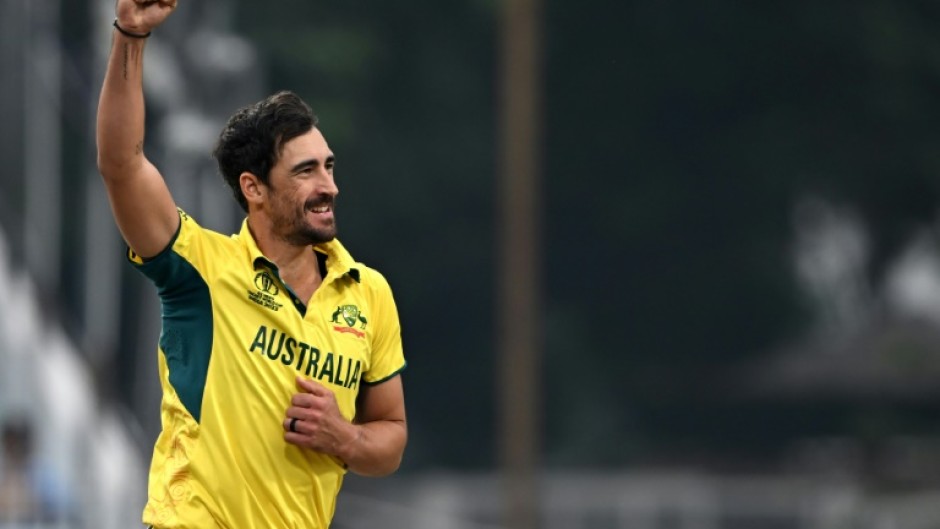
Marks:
<point>386,461</point>
<point>103,168</point>
<point>107,166</point>
<point>385,468</point>
<point>112,168</point>
<point>391,466</point>
<point>393,461</point>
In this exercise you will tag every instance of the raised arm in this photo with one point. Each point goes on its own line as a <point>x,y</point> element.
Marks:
<point>140,200</point>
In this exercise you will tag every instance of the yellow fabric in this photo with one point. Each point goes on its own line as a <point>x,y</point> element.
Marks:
<point>221,459</point>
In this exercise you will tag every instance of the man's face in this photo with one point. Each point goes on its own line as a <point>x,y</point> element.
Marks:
<point>302,192</point>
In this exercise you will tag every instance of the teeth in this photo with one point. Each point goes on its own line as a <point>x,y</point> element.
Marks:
<point>321,209</point>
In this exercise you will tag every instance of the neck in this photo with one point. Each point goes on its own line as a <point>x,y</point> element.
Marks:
<point>297,264</point>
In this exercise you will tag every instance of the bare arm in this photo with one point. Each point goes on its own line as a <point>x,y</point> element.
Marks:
<point>382,430</point>
<point>140,200</point>
<point>371,446</point>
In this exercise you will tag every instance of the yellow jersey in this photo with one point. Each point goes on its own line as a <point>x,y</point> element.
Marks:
<point>234,338</point>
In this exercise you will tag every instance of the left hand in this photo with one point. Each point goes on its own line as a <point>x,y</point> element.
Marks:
<point>319,426</point>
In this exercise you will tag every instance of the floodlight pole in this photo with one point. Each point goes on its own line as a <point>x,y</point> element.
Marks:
<point>519,318</point>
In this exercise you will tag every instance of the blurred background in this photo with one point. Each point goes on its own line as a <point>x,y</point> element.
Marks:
<point>729,270</point>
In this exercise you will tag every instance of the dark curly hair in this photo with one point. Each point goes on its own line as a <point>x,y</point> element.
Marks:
<point>252,139</point>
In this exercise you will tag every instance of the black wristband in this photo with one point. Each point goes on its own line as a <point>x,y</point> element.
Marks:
<point>129,34</point>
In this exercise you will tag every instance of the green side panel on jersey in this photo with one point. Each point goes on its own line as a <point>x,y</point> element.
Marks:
<point>186,339</point>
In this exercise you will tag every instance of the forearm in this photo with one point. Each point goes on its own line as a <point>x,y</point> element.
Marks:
<point>120,132</point>
<point>376,449</point>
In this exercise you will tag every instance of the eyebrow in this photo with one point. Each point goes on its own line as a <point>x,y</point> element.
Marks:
<point>313,162</point>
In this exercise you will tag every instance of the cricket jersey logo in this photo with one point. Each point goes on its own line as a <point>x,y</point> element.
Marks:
<point>267,289</point>
<point>266,284</point>
<point>351,316</point>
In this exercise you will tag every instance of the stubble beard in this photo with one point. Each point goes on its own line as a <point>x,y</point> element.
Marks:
<point>309,236</point>
<point>296,230</point>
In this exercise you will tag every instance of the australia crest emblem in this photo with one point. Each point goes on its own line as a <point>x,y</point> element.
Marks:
<point>352,317</point>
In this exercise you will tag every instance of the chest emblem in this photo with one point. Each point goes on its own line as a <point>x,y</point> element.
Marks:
<point>267,289</point>
<point>266,284</point>
<point>350,315</point>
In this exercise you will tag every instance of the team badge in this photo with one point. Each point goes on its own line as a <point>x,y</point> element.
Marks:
<point>350,315</point>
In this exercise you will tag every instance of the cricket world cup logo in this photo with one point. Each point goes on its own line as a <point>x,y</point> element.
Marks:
<point>266,284</point>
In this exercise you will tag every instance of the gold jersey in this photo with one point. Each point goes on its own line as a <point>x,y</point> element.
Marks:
<point>234,338</point>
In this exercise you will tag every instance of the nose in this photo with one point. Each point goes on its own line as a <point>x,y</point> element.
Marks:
<point>330,186</point>
<point>327,185</point>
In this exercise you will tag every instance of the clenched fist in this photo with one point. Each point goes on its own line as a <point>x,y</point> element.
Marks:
<point>315,422</point>
<point>141,16</point>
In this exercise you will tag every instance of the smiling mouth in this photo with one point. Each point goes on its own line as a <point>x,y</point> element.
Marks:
<point>319,206</point>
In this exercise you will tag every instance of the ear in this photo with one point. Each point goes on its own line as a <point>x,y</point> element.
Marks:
<point>252,187</point>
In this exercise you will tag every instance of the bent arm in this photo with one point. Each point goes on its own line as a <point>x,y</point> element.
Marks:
<point>140,200</point>
<point>382,430</point>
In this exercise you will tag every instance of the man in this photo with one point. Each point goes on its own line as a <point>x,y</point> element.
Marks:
<point>280,355</point>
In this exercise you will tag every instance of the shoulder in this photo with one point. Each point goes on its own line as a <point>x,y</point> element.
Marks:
<point>191,241</point>
<point>342,263</point>
<point>372,278</point>
<point>373,283</point>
